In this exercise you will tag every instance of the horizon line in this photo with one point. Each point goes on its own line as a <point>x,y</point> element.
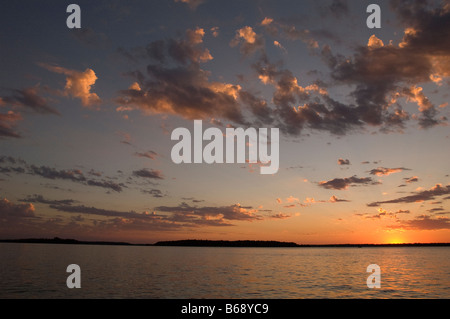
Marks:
<point>210,243</point>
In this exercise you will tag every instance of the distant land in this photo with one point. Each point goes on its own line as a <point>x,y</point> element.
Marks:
<point>211,243</point>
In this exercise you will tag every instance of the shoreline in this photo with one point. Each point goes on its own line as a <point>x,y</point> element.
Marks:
<point>215,243</point>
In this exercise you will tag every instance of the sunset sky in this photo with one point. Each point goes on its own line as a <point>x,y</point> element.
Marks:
<point>86,117</point>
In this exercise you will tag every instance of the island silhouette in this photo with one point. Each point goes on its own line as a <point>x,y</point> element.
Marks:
<point>212,243</point>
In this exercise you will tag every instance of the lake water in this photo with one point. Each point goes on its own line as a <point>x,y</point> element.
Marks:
<point>39,271</point>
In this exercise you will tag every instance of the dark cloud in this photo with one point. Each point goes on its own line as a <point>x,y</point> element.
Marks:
<point>437,190</point>
<point>280,216</point>
<point>182,87</point>
<point>177,217</point>
<point>344,183</point>
<point>150,154</point>
<point>145,173</point>
<point>10,211</point>
<point>383,171</point>
<point>232,212</point>
<point>74,175</point>
<point>343,161</point>
<point>411,179</point>
<point>193,199</point>
<point>249,41</point>
<point>334,199</point>
<point>106,184</point>
<point>11,160</point>
<point>81,209</point>
<point>154,192</point>
<point>30,99</point>
<point>95,173</point>
<point>40,199</point>
<point>289,31</point>
<point>381,73</point>
<point>7,124</point>
<point>424,222</point>
<point>259,107</point>
<point>298,107</point>
<point>10,169</point>
<point>384,213</point>
<point>378,76</point>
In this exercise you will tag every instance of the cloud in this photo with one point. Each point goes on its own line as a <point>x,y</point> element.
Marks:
<point>249,41</point>
<point>378,75</point>
<point>258,107</point>
<point>280,46</point>
<point>188,50</point>
<point>411,179</point>
<point>153,192</point>
<point>30,99</point>
<point>150,154</point>
<point>10,211</point>
<point>420,196</point>
<point>106,184</point>
<point>424,222</point>
<point>280,216</point>
<point>384,213</point>
<point>334,199</point>
<point>374,42</point>
<point>290,32</point>
<point>181,216</point>
<point>182,87</point>
<point>78,84</point>
<point>344,183</point>
<point>145,173</point>
<point>125,138</point>
<point>379,72</point>
<point>383,171</point>
<point>266,21</point>
<point>298,107</point>
<point>74,175</point>
<point>193,199</point>
<point>233,212</point>
<point>11,160</point>
<point>343,161</point>
<point>41,200</point>
<point>7,124</point>
<point>292,199</point>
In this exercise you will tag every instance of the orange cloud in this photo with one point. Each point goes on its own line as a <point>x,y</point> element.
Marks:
<point>249,40</point>
<point>383,171</point>
<point>78,84</point>
<point>374,42</point>
<point>266,21</point>
<point>292,199</point>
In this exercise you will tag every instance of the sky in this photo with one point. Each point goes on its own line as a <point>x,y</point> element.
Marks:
<point>86,116</point>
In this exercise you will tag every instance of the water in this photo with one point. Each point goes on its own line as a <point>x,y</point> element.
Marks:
<point>39,271</point>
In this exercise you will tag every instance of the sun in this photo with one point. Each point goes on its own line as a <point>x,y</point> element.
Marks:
<point>396,241</point>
